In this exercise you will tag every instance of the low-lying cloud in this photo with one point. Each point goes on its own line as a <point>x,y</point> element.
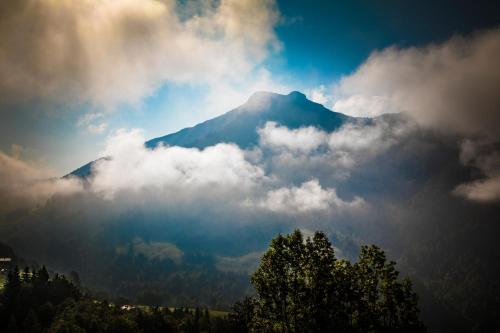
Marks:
<point>315,152</point>
<point>303,139</point>
<point>486,189</point>
<point>152,250</point>
<point>246,263</point>
<point>25,185</point>
<point>223,171</point>
<point>223,174</point>
<point>451,87</point>
<point>131,166</point>
<point>309,197</point>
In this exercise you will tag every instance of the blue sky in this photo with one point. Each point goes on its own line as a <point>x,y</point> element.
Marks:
<point>314,44</point>
<point>326,39</point>
<point>323,40</point>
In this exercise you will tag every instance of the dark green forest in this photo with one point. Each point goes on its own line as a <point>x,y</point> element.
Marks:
<point>299,286</point>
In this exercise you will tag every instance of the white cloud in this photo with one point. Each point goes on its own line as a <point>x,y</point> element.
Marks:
<point>226,95</point>
<point>225,175</point>
<point>356,137</point>
<point>448,86</point>
<point>319,95</point>
<point>451,87</point>
<point>97,128</point>
<point>93,122</point>
<point>339,151</point>
<point>363,106</point>
<point>187,175</point>
<point>303,139</point>
<point>486,189</point>
<point>353,143</point>
<point>246,263</point>
<point>89,118</point>
<point>153,250</point>
<point>25,184</point>
<point>133,167</point>
<point>50,51</point>
<point>309,197</point>
<point>220,175</point>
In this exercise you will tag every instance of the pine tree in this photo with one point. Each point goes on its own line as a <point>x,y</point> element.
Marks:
<point>31,323</point>
<point>12,327</point>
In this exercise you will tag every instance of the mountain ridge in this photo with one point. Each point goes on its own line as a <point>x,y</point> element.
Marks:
<point>239,125</point>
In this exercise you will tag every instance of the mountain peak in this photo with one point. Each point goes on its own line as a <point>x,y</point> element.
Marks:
<point>297,95</point>
<point>260,100</point>
<point>260,95</point>
<point>240,126</point>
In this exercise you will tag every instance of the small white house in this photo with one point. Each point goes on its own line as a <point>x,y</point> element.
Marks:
<point>127,307</point>
<point>5,263</point>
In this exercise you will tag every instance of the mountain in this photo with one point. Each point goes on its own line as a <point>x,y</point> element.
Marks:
<point>240,125</point>
<point>404,174</point>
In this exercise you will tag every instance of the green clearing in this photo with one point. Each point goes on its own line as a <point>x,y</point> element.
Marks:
<point>217,313</point>
<point>213,313</point>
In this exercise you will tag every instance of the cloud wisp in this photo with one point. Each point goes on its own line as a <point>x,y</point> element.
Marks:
<point>487,160</point>
<point>309,197</point>
<point>188,174</point>
<point>315,152</point>
<point>152,250</point>
<point>224,174</point>
<point>303,140</point>
<point>25,185</point>
<point>133,167</point>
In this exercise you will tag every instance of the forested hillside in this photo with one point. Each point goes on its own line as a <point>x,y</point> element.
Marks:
<point>300,287</point>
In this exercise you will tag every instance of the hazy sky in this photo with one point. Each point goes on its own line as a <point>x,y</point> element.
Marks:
<point>72,73</point>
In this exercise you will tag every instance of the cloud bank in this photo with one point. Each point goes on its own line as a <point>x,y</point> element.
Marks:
<point>311,152</point>
<point>450,87</point>
<point>224,174</point>
<point>130,166</point>
<point>301,140</point>
<point>111,52</point>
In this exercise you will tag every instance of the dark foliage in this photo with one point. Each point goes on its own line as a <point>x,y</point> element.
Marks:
<point>33,302</point>
<point>302,287</point>
<point>30,299</point>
